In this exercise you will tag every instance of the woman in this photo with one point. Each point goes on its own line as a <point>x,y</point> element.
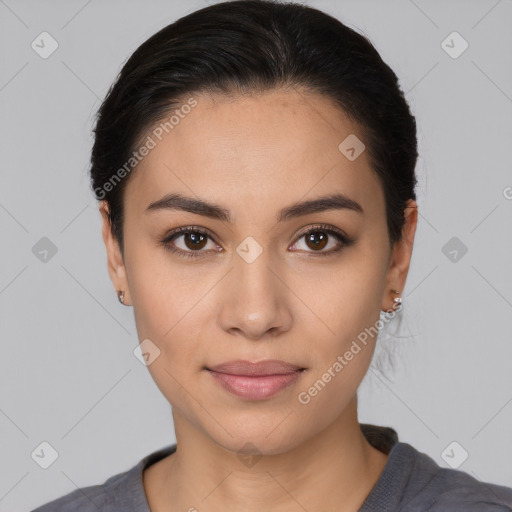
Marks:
<point>255,167</point>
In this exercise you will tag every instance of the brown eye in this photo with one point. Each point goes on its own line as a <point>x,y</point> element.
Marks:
<point>320,237</point>
<point>192,245</point>
<point>317,239</point>
<point>194,240</point>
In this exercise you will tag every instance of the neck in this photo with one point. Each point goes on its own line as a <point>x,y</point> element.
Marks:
<point>335,470</point>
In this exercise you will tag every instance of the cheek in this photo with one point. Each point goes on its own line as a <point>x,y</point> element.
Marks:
<point>171,319</point>
<point>167,311</point>
<point>177,337</point>
<point>343,332</point>
<point>343,300</point>
<point>163,295</point>
<point>340,359</point>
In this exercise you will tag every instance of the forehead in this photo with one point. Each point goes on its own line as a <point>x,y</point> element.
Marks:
<point>249,151</point>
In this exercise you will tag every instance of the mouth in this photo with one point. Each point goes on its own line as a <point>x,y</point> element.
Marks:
<point>255,381</point>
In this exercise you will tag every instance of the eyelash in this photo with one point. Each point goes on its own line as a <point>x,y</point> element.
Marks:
<point>343,239</point>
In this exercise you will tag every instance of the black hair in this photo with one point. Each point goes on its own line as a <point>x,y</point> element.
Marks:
<point>246,46</point>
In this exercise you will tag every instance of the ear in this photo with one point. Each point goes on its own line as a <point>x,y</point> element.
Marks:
<point>400,257</point>
<point>116,268</point>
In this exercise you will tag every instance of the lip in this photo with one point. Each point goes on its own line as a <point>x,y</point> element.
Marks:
<point>255,381</point>
<point>261,368</point>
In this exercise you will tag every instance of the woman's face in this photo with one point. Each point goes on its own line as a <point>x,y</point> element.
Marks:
<point>254,287</point>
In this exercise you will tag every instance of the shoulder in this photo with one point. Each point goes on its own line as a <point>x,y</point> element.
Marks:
<point>95,497</point>
<point>434,489</point>
<point>119,493</point>
<point>86,499</point>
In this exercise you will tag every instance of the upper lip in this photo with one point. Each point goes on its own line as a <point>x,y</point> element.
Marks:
<point>267,367</point>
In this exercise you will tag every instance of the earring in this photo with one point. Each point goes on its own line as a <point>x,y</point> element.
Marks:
<point>120,296</point>
<point>397,300</point>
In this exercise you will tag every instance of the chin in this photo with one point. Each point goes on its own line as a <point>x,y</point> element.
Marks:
<point>252,438</point>
<point>257,446</point>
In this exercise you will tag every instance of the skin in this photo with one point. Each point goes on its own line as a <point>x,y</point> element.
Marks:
<point>255,155</point>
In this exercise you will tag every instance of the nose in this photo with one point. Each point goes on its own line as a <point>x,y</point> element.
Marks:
<point>255,299</point>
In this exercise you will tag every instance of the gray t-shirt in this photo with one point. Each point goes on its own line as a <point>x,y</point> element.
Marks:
<point>410,482</point>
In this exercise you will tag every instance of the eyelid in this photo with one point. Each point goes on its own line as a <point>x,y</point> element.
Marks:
<point>325,227</point>
<point>187,229</point>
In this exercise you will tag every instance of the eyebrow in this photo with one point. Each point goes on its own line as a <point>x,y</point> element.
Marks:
<point>176,201</point>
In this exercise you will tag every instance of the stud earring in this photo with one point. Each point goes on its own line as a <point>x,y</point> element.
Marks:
<point>120,296</point>
<point>397,300</point>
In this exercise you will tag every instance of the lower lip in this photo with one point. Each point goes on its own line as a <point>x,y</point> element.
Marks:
<point>255,388</point>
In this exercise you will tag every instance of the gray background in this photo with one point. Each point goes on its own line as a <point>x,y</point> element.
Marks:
<point>68,374</point>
